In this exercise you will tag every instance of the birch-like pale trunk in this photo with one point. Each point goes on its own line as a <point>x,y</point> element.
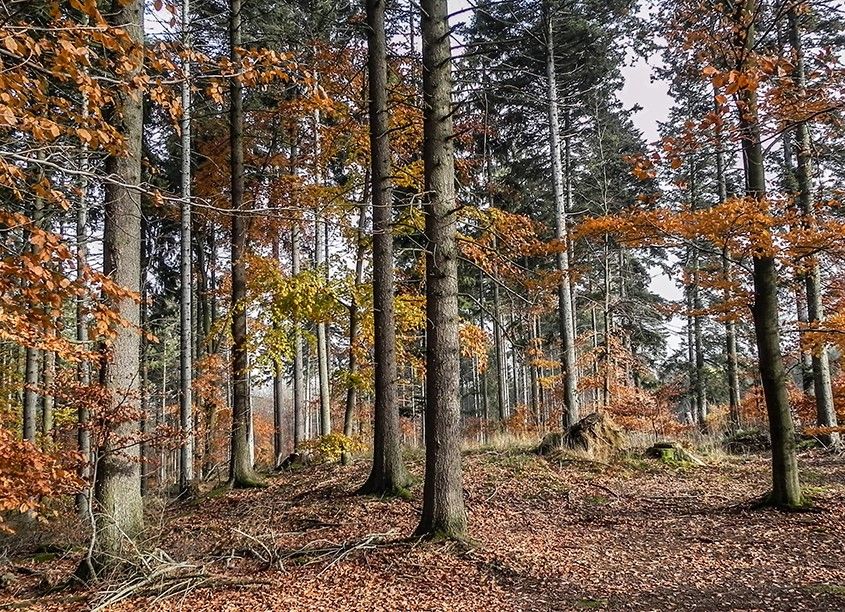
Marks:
<point>566,317</point>
<point>186,415</point>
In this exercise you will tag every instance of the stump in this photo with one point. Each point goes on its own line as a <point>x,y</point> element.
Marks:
<point>672,452</point>
<point>596,436</point>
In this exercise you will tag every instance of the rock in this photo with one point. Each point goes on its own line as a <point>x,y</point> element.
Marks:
<point>7,581</point>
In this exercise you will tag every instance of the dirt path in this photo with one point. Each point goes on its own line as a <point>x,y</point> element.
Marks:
<point>637,536</point>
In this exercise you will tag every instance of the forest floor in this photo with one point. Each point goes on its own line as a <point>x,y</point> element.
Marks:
<point>635,535</point>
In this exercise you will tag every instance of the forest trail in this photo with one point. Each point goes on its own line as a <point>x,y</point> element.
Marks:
<point>637,535</point>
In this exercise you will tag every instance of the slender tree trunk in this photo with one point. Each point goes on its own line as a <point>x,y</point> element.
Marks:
<point>786,489</point>
<point>730,324</point>
<point>33,358</point>
<point>241,473</point>
<point>607,328</point>
<point>501,359</point>
<point>213,348</point>
<point>566,322</point>
<point>354,320</point>
<point>47,400</point>
<point>443,512</point>
<point>30,394</point>
<point>186,414</point>
<point>790,179</point>
<point>278,389</point>
<point>299,431</point>
<point>145,371</point>
<point>825,411</point>
<point>696,304</point>
<point>119,509</point>
<point>388,473</point>
<point>321,263</point>
<point>83,435</point>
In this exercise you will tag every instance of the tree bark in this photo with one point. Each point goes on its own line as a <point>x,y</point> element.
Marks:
<point>786,489</point>
<point>241,473</point>
<point>388,474</point>
<point>186,415</point>
<point>299,432</point>
<point>119,509</point>
<point>566,323</point>
<point>825,411</point>
<point>730,324</point>
<point>354,318</point>
<point>278,390</point>
<point>443,512</point>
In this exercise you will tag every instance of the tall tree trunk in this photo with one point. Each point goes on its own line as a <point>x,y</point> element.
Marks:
<point>354,318</point>
<point>213,347</point>
<point>47,399</point>
<point>241,473</point>
<point>825,411</point>
<point>33,358</point>
<point>791,184</point>
<point>278,389</point>
<point>83,369</point>
<point>502,395</point>
<point>786,489</point>
<point>566,323</point>
<point>119,509</point>
<point>607,327</point>
<point>696,306</point>
<point>321,263</point>
<point>299,431</point>
<point>186,415</point>
<point>443,512</point>
<point>388,473</point>
<point>30,394</point>
<point>730,324</point>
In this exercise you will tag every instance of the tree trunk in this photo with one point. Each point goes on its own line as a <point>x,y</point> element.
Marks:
<point>388,473</point>
<point>278,390</point>
<point>83,371</point>
<point>321,263</point>
<point>186,416</point>
<point>299,432</point>
<point>119,511</point>
<point>825,411</point>
<point>30,395</point>
<point>566,317</point>
<point>241,473</point>
<point>730,324</point>
<point>501,359</point>
<point>213,347</point>
<point>354,318</point>
<point>786,489</point>
<point>443,512</point>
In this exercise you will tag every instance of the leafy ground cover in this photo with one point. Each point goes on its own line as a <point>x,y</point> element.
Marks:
<point>637,534</point>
